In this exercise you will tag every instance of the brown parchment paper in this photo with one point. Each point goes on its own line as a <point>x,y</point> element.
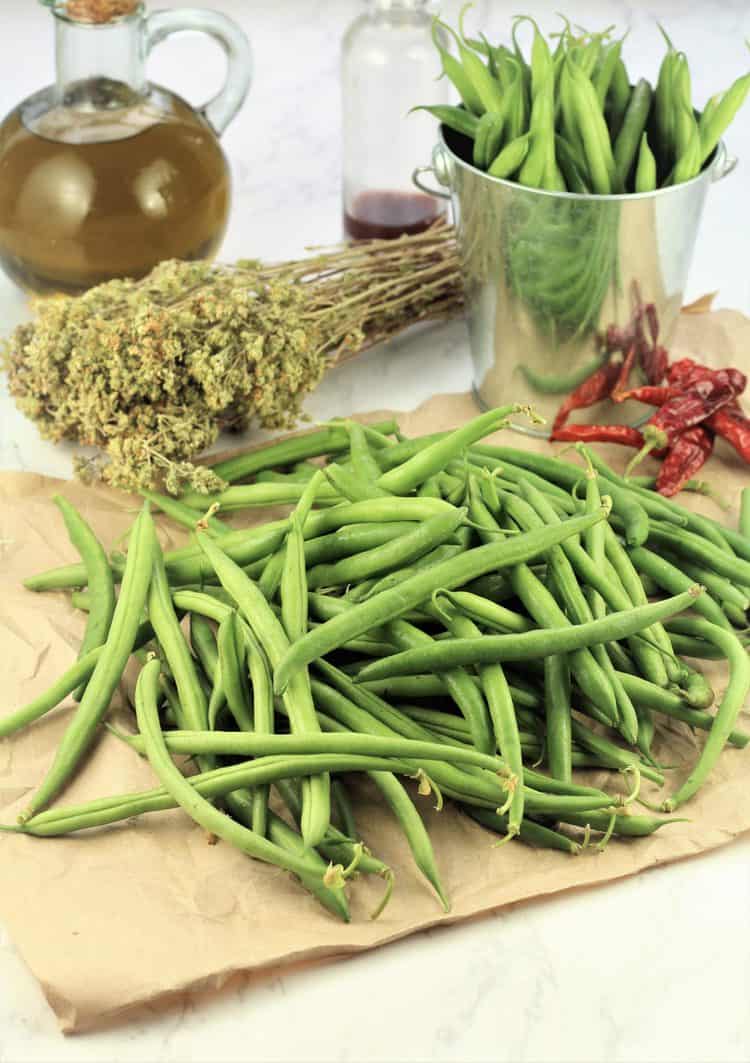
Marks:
<point>144,911</point>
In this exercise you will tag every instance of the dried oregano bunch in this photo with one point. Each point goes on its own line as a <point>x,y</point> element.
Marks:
<point>151,371</point>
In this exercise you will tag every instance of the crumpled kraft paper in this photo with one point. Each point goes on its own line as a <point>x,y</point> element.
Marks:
<point>143,911</point>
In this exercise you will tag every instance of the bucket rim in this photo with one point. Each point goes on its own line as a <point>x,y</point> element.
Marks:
<point>705,176</point>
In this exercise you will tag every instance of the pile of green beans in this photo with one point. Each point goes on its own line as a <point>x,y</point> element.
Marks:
<point>467,616</point>
<point>568,118</point>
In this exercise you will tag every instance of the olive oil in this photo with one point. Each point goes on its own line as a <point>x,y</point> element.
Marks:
<point>87,195</point>
<point>103,175</point>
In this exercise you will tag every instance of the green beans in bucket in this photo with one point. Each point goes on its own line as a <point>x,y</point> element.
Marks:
<point>473,629</point>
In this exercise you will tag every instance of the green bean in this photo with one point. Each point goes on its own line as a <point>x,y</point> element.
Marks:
<point>285,837</point>
<point>505,725</point>
<point>745,513</point>
<point>722,590</point>
<point>432,686</point>
<point>722,115</point>
<point>595,539</point>
<point>454,71</point>
<point>363,460</point>
<point>605,71</point>
<point>405,449</point>
<point>98,577</point>
<point>664,103</point>
<point>401,551</point>
<point>348,485</point>
<point>301,473</point>
<point>66,684</point>
<point>232,658</point>
<point>688,146</point>
<point>645,171</point>
<point>458,683</point>
<point>575,173</point>
<point>414,830</point>
<point>361,710</point>
<point>671,704</point>
<point>181,664</point>
<point>204,645</point>
<point>532,833</point>
<point>690,646</point>
<point>203,641</point>
<point>345,811</point>
<point>456,118</point>
<point>483,611</point>
<point>252,744</point>
<point>545,610</point>
<point>692,547</point>
<point>528,646</point>
<point>109,666</point>
<point>426,462</point>
<point>568,475</point>
<point>727,712</point>
<point>329,440</point>
<point>395,602</point>
<point>558,715</point>
<point>655,665</point>
<point>488,138</point>
<point>517,475</point>
<point>532,173</point>
<point>511,158</point>
<point>593,132</point>
<point>629,826</point>
<point>485,86</point>
<point>533,510</point>
<point>182,514</point>
<point>339,849</point>
<point>218,782</point>
<point>610,754</point>
<point>672,579</point>
<point>200,810</point>
<point>618,97</point>
<point>251,496</point>
<point>632,131</point>
<point>368,588</point>
<point>275,643</point>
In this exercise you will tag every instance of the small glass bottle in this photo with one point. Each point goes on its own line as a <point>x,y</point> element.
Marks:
<point>389,65</point>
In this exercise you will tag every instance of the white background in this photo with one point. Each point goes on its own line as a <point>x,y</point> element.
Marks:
<point>656,968</point>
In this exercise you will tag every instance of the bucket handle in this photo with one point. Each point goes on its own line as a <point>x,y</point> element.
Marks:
<point>416,178</point>
<point>724,163</point>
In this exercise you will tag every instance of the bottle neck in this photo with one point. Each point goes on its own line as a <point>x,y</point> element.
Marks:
<point>89,53</point>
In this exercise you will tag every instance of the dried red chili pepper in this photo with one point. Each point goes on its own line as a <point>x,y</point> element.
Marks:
<point>594,388</point>
<point>686,373</point>
<point>732,424</point>
<point>689,453</point>
<point>655,362</point>
<point>623,378</point>
<point>649,394</point>
<point>598,433</point>
<point>690,408</point>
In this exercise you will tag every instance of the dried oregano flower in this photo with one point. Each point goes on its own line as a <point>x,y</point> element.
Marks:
<point>151,371</point>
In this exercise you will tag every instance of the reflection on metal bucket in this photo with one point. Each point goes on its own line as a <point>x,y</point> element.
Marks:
<point>546,273</point>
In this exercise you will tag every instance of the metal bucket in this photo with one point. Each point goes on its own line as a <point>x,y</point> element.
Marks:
<point>545,273</point>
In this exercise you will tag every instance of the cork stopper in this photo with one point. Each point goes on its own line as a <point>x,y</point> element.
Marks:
<point>99,11</point>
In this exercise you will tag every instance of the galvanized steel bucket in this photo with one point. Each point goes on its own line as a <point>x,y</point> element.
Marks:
<point>545,273</point>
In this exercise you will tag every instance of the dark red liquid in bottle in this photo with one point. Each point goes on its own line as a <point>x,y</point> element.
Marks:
<point>382,215</point>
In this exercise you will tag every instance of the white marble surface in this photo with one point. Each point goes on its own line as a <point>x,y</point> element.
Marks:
<point>655,969</point>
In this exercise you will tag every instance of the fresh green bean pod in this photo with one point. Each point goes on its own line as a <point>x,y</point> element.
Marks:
<point>529,646</point>
<point>109,666</point>
<point>98,577</point>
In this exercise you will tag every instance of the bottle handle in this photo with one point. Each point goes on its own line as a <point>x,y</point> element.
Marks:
<point>220,110</point>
